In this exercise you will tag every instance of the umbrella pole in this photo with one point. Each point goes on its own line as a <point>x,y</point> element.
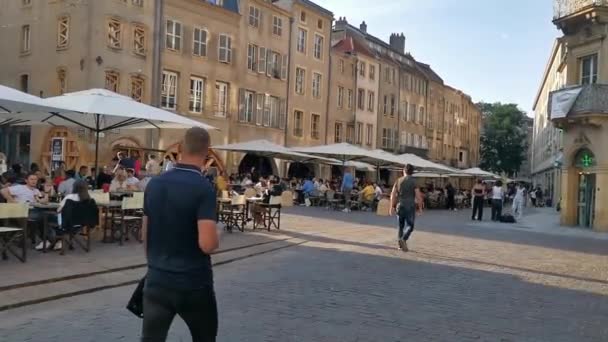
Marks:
<point>96,148</point>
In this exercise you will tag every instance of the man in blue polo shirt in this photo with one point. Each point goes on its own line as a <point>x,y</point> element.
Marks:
<point>180,233</point>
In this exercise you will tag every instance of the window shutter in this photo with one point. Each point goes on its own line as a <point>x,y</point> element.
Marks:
<point>254,103</point>
<point>262,60</point>
<point>267,110</point>
<point>178,40</point>
<point>229,50</point>
<point>259,109</point>
<point>268,62</point>
<point>242,105</point>
<point>284,66</point>
<point>282,113</point>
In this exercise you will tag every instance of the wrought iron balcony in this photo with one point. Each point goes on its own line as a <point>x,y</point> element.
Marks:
<point>570,102</point>
<point>565,8</point>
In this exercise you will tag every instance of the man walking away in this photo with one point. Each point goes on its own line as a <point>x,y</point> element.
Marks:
<point>403,202</point>
<point>451,193</point>
<point>478,195</point>
<point>497,198</point>
<point>347,188</point>
<point>179,230</point>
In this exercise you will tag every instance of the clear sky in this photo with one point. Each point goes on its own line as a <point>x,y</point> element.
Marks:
<point>494,50</point>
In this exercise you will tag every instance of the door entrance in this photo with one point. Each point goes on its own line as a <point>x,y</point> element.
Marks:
<point>586,199</point>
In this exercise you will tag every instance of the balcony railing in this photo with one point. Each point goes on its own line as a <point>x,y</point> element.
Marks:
<point>586,99</point>
<point>564,8</point>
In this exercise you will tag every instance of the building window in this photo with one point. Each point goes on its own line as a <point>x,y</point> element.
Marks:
<point>385,107</point>
<point>284,66</point>
<point>273,112</point>
<point>359,133</point>
<point>341,66</point>
<point>385,137</point>
<point>338,132</point>
<point>372,72</point>
<point>350,132</point>
<point>197,93</point>
<point>252,57</point>
<point>393,106</point>
<point>168,97</point>
<point>259,116</point>
<point>316,85</point>
<point>221,98</point>
<point>247,106</point>
<point>298,117</point>
<point>262,60</point>
<point>300,80</point>
<point>303,16</point>
<point>139,40</point>
<point>387,75</point>
<point>412,113</point>
<point>25,38</point>
<point>421,115</point>
<point>225,49</point>
<point>139,3</point>
<point>340,97</point>
<point>371,101</point>
<point>320,24</point>
<point>200,42</point>
<point>394,76</point>
<point>274,65</point>
<point>137,88</point>
<point>114,34</point>
<point>62,81</point>
<point>461,156</point>
<point>361,98</point>
<point>318,51</point>
<point>277,26</point>
<point>405,111</point>
<point>315,123</point>
<point>349,102</point>
<point>63,32</point>
<point>254,16</point>
<point>362,69</point>
<point>112,80</point>
<point>370,135</point>
<point>174,35</point>
<point>26,2</point>
<point>589,69</point>
<point>301,46</point>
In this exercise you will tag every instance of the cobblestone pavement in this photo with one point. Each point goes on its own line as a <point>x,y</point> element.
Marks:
<point>462,281</point>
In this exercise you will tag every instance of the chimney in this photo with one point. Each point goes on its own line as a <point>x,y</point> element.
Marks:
<point>363,27</point>
<point>397,42</point>
<point>340,24</point>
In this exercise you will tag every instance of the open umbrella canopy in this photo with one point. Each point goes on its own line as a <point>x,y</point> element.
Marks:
<point>265,148</point>
<point>477,172</point>
<point>424,164</point>
<point>345,152</point>
<point>14,102</point>
<point>428,175</point>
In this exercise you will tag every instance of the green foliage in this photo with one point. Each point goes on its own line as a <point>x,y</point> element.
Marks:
<point>503,143</point>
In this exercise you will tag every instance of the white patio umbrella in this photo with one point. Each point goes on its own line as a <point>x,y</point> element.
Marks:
<point>14,102</point>
<point>100,110</point>
<point>477,172</point>
<point>265,148</point>
<point>345,152</point>
<point>424,164</point>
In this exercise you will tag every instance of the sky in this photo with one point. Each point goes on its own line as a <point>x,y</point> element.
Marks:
<point>493,50</point>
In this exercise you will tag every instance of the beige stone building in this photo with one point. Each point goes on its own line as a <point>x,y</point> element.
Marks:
<point>578,70</point>
<point>342,107</point>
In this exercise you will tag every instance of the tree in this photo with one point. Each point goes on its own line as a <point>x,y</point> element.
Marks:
<point>503,142</point>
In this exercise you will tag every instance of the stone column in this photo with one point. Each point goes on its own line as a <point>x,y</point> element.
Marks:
<point>600,222</point>
<point>569,196</point>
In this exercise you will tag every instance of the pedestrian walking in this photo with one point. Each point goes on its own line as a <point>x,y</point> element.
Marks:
<point>451,193</point>
<point>403,203</point>
<point>518,202</point>
<point>179,230</point>
<point>497,199</point>
<point>478,197</point>
<point>533,196</point>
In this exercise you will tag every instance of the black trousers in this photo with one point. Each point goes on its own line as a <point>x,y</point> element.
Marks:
<point>197,308</point>
<point>477,208</point>
<point>451,203</point>
<point>406,216</point>
<point>496,209</point>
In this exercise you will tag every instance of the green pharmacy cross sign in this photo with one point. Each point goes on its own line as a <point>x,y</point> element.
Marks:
<point>586,160</point>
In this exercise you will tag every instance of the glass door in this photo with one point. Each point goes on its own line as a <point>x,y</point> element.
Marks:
<point>586,200</point>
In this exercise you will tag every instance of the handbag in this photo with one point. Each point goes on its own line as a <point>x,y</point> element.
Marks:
<point>136,303</point>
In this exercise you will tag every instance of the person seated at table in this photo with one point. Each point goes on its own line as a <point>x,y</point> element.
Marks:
<point>260,186</point>
<point>247,182</point>
<point>104,177</point>
<point>323,187</point>
<point>48,188</point>
<point>368,194</point>
<point>24,193</point>
<point>59,177</point>
<point>132,180</point>
<point>308,188</point>
<point>274,190</point>
<point>66,187</point>
<point>119,183</point>
<point>220,183</point>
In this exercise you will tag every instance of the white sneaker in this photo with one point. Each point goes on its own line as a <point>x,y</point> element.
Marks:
<point>43,244</point>
<point>58,245</point>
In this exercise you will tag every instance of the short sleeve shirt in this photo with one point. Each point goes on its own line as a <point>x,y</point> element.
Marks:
<point>24,194</point>
<point>174,203</point>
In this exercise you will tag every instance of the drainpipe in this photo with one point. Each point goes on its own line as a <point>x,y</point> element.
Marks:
<point>398,104</point>
<point>156,66</point>
<point>330,61</point>
<point>356,97</point>
<point>289,64</point>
